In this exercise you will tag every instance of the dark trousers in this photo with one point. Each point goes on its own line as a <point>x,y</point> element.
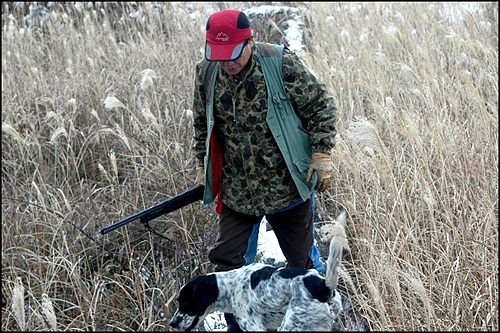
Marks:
<point>293,228</point>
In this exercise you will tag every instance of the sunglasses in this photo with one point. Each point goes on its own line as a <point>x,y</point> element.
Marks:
<point>242,51</point>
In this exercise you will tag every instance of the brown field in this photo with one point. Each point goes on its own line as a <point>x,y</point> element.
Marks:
<point>416,163</point>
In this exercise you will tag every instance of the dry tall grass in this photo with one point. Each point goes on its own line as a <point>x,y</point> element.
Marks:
<point>96,125</point>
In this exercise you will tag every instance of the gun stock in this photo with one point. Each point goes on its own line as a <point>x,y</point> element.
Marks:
<point>162,208</point>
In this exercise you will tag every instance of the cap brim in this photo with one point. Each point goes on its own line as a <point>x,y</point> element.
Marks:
<point>224,52</point>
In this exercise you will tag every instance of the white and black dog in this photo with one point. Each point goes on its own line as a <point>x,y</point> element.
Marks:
<point>264,298</point>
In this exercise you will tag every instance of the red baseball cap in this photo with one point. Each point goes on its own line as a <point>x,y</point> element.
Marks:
<point>227,33</point>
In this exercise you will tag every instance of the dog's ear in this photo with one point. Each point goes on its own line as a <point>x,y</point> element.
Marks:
<point>197,294</point>
<point>206,288</point>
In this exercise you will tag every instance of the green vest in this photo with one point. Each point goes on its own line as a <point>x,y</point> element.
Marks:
<point>284,123</point>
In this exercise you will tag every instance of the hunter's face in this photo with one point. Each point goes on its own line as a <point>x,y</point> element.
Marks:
<point>235,67</point>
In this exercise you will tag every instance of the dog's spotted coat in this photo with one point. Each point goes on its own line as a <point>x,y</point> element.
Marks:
<point>264,298</point>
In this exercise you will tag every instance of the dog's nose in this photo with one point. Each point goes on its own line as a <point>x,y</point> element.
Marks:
<point>174,322</point>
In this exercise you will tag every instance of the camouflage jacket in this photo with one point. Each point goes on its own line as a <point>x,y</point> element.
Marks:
<point>256,179</point>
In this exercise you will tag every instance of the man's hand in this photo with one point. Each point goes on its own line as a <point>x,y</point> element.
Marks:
<point>323,167</point>
<point>200,175</point>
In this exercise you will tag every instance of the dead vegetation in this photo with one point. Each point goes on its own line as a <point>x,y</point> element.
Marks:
<point>96,125</point>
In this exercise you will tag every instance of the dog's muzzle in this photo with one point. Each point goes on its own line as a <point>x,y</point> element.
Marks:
<point>179,322</point>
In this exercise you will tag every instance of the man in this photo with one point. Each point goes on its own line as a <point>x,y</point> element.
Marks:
<point>253,242</point>
<point>262,141</point>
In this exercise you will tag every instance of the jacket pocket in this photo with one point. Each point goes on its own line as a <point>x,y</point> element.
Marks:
<point>302,164</point>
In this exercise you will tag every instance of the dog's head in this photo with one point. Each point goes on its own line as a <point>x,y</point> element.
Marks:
<point>195,298</point>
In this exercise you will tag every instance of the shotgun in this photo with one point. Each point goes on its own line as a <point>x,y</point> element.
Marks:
<point>165,207</point>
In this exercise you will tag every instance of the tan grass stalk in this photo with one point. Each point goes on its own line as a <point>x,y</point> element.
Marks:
<point>48,311</point>
<point>147,78</point>
<point>365,134</point>
<point>112,157</point>
<point>112,102</point>
<point>105,173</point>
<point>12,131</point>
<point>416,91</point>
<point>121,134</point>
<point>328,231</point>
<point>18,304</point>
<point>57,133</point>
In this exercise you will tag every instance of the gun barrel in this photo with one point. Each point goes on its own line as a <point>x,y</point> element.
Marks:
<point>165,207</point>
